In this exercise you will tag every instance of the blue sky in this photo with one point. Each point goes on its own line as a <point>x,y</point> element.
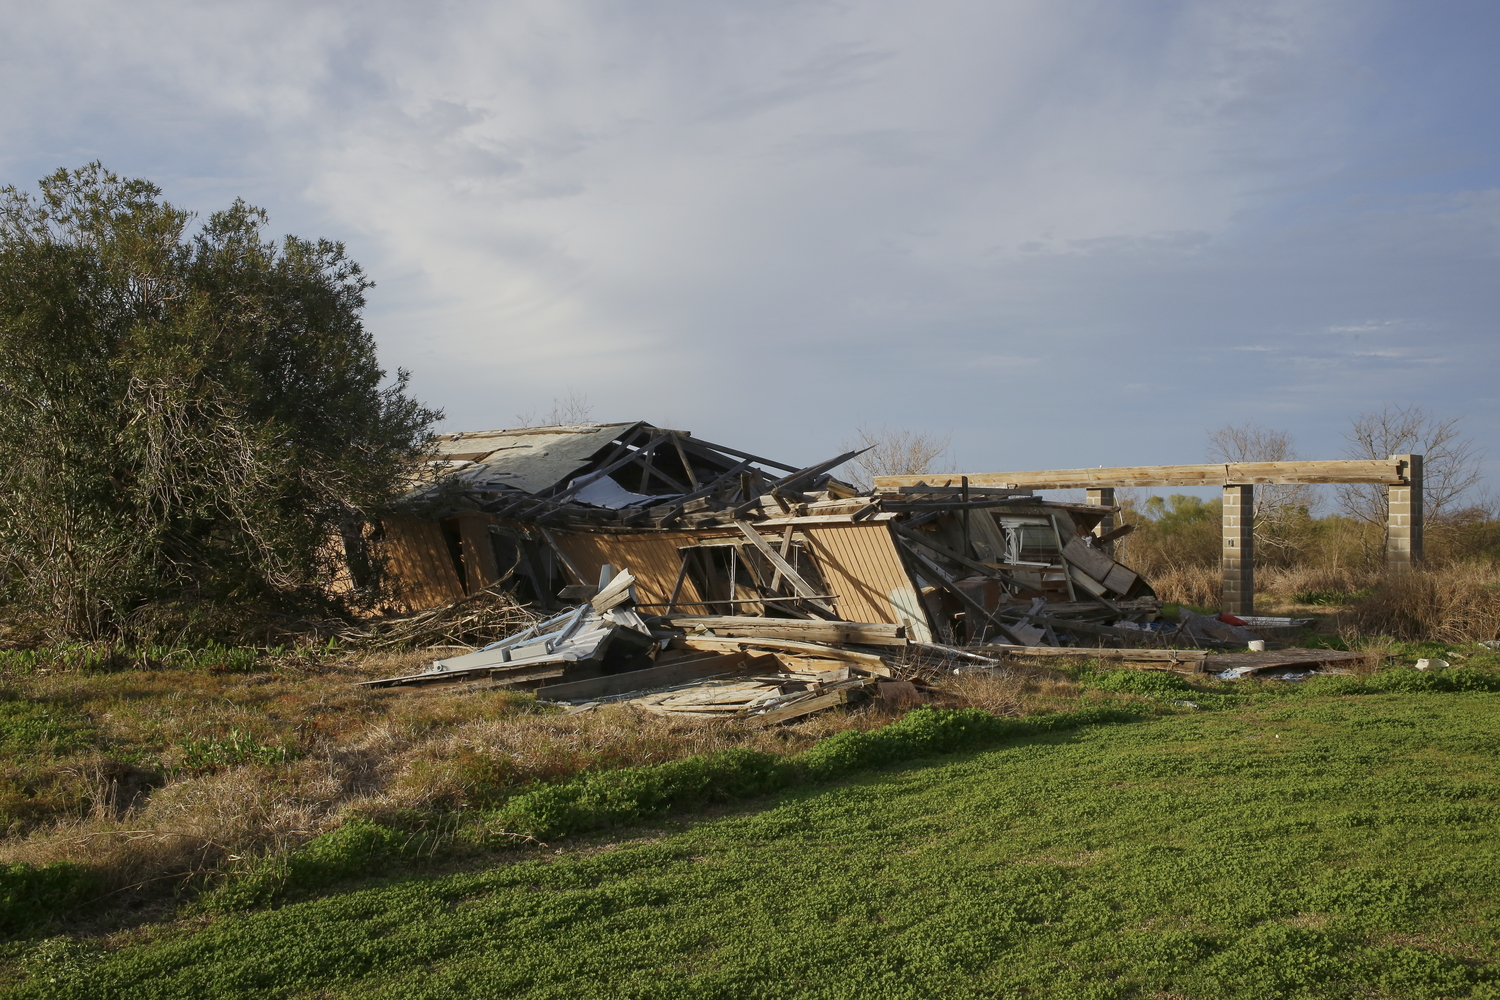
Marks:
<point>1071,233</point>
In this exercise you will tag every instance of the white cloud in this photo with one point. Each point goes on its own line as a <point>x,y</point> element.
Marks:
<point>934,215</point>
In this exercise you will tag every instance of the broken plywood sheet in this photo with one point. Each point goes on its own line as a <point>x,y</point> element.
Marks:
<point>1276,659</point>
<point>663,675</point>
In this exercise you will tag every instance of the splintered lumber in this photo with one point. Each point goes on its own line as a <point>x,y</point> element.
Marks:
<point>1276,659</point>
<point>802,588</point>
<point>804,630</point>
<point>803,707</point>
<point>869,662</point>
<point>1182,661</point>
<point>1175,655</point>
<point>1387,472</point>
<point>921,538</point>
<point>665,675</point>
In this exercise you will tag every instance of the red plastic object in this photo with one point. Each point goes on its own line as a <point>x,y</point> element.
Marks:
<point>1231,620</point>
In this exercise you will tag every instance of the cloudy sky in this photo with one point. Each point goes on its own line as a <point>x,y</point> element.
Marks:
<point>1069,232</point>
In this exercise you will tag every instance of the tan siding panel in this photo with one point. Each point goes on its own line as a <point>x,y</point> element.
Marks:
<point>479,554</point>
<point>861,564</point>
<point>652,558</point>
<point>419,564</point>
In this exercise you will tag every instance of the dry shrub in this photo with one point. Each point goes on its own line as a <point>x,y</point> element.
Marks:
<point>1377,650</point>
<point>1188,584</point>
<point>1013,689</point>
<point>1292,581</point>
<point>1452,604</point>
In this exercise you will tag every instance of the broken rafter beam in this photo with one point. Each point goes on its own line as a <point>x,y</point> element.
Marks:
<point>706,490</point>
<point>921,539</point>
<point>719,451</point>
<point>802,588</point>
<point>797,478</point>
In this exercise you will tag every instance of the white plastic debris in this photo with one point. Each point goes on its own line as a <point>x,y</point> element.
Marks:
<point>1431,664</point>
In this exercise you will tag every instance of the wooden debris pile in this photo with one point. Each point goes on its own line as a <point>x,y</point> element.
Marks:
<point>767,670</point>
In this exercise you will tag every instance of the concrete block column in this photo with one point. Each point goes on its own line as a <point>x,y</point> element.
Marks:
<point>1104,497</point>
<point>1403,525</point>
<point>1238,556</point>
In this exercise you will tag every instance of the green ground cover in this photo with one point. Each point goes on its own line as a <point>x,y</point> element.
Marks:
<point>1317,844</point>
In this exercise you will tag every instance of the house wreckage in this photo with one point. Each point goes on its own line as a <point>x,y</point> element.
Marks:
<point>689,577</point>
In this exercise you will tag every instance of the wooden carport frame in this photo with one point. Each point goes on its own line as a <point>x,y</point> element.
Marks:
<point>1401,475</point>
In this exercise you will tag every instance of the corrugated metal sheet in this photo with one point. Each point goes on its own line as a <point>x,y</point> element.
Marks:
<point>652,558</point>
<point>532,459</point>
<point>420,561</point>
<point>861,564</point>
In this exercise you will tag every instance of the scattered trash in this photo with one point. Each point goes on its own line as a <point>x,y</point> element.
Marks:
<point>1266,621</point>
<point>1432,664</point>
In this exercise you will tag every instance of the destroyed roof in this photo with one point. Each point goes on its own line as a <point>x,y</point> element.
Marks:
<point>533,459</point>
<point>594,472</point>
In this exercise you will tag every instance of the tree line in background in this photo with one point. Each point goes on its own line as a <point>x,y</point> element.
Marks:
<point>190,422</point>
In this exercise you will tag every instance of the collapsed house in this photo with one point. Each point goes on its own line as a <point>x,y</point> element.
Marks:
<point>698,579</point>
<point>708,530</point>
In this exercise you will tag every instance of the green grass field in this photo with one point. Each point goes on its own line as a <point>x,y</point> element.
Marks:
<point>1311,845</point>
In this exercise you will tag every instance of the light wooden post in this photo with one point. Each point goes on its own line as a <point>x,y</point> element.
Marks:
<point>1104,497</point>
<point>1238,557</point>
<point>1403,525</point>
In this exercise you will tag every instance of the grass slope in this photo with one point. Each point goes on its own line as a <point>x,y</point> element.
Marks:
<point>1318,846</point>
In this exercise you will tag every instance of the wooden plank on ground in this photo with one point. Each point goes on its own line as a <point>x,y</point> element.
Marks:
<point>867,661</point>
<point>805,706</point>
<point>653,677</point>
<point>1181,655</point>
<point>1275,659</point>
<point>805,630</point>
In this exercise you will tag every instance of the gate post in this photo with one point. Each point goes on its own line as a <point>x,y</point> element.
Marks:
<point>1403,524</point>
<point>1104,497</point>
<point>1238,555</point>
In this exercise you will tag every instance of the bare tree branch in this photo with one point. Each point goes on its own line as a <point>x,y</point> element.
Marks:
<point>895,453</point>
<point>1275,506</point>
<point>1451,463</point>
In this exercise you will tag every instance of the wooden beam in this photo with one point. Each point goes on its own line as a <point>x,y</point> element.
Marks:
<point>1386,472</point>
<point>802,588</point>
<point>859,633</point>
<point>867,661</point>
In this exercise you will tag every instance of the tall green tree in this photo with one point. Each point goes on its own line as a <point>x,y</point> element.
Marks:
<point>191,422</point>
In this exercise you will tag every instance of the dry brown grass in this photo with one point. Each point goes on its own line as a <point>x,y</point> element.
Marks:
<point>1192,584</point>
<point>1450,604</point>
<point>183,773</point>
<point>1018,688</point>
